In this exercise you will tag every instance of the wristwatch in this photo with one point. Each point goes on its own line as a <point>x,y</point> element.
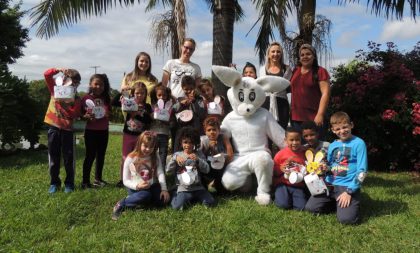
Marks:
<point>349,191</point>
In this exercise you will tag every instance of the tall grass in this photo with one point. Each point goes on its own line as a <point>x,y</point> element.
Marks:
<point>32,220</point>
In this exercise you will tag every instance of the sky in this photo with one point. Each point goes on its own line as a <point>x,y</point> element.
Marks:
<point>113,40</point>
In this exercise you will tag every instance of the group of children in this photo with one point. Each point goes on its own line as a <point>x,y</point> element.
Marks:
<point>192,123</point>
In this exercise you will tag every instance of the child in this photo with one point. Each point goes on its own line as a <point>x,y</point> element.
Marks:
<point>142,72</point>
<point>187,166</point>
<point>143,176</point>
<point>289,159</point>
<point>96,108</point>
<point>135,122</point>
<point>347,158</point>
<point>189,110</point>
<point>213,143</point>
<point>249,70</point>
<point>162,127</point>
<point>59,117</point>
<point>207,91</point>
<point>311,136</point>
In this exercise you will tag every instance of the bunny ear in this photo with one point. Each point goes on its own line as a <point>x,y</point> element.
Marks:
<point>168,104</point>
<point>90,103</point>
<point>160,104</point>
<point>319,156</point>
<point>59,80</point>
<point>309,155</point>
<point>216,99</point>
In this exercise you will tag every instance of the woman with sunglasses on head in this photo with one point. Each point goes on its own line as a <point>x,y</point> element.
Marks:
<point>277,102</point>
<point>175,69</point>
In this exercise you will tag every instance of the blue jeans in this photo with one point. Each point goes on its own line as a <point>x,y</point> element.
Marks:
<point>288,197</point>
<point>143,197</point>
<point>163,142</point>
<point>183,198</point>
<point>321,204</point>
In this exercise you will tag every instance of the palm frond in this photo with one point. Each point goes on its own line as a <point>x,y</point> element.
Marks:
<point>154,3</point>
<point>161,32</point>
<point>50,15</point>
<point>390,8</point>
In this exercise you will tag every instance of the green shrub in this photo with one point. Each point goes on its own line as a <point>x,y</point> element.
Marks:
<point>380,91</point>
<point>19,113</point>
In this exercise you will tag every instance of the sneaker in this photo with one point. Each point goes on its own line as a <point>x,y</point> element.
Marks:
<point>117,211</point>
<point>100,183</point>
<point>120,184</point>
<point>53,189</point>
<point>86,185</point>
<point>68,189</point>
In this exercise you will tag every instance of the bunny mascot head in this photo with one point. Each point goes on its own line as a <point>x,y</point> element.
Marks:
<point>249,125</point>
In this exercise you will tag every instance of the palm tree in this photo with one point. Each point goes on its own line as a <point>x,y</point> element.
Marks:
<point>225,14</point>
<point>168,29</point>
<point>53,14</point>
<point>313,29</point>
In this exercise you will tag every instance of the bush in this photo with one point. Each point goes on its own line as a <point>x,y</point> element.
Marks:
<point>380,91</point>
<point>19,114</point>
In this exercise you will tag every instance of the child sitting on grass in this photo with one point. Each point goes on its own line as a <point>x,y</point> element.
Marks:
<point>290,159</point>
<point>213,143</point>
<point>143,176</point>
<point>347,158</point>
<point>187,165</point>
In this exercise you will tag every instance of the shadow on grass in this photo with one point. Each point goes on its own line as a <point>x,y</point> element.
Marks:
<point>372,208</point>
<point>25,158</point>
<point>373,180</point>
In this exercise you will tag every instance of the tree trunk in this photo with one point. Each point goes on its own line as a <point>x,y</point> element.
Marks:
<point>306,22</point>
<point>223,23</point>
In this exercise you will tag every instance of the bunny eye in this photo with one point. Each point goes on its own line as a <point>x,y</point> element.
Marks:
<point>241,96</point>
<point>252,96</point>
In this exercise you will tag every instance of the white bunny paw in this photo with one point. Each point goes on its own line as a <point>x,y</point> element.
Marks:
<point>263,199</point>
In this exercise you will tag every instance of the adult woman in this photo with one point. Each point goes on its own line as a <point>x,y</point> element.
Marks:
<point>142,73</point>
<point>277,102</point>
<point>310,89</point>
<point>175,69</point>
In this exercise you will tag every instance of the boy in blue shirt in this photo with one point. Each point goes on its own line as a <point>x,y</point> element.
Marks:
<point>347,158</point>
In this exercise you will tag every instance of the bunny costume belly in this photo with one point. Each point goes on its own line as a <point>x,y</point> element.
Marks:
<point>249,138</point>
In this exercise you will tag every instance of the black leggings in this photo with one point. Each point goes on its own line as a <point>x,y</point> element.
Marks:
<point>282,110</point>
<point>96,142</point>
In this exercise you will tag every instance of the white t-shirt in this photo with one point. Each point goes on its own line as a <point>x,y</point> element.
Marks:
<point>177,70</point>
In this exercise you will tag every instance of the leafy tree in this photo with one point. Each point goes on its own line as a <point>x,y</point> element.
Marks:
<point>19,114</point>
<point>39,92</point>
<point>167,29</point>
<point>313,29</point>
<point>13,35</point>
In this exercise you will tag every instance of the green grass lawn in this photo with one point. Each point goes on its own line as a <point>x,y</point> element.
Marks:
<point>32,220</point>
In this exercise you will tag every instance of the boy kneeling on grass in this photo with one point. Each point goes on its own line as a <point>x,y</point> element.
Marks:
<point>347,158</point>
